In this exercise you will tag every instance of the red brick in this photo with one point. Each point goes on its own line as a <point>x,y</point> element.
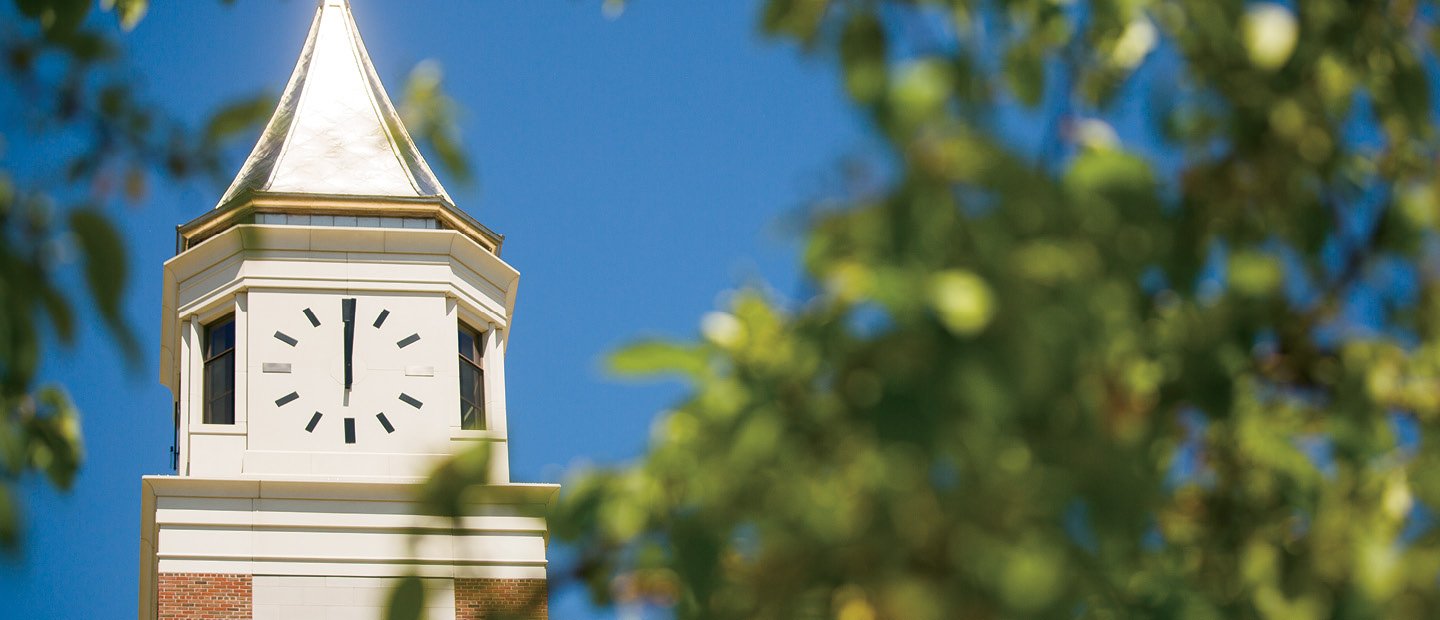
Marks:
<point>494,599</point>
<point>197,596</point>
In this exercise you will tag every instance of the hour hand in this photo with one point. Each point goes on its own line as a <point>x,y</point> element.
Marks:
<point>347,313</point>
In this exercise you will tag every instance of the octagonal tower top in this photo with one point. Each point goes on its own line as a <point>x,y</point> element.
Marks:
<point>335,131</point>
<point>335,146</point>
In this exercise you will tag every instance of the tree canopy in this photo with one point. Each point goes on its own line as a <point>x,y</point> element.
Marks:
<point>66,74</point>
<point>1178,360</point>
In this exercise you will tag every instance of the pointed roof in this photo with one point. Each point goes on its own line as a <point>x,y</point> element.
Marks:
<point>335,131</point>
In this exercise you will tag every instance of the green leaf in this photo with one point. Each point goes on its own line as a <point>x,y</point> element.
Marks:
<point>921,89</point>
<point>57,308</point>
<point>862,56</point>
<point>90,47</point>
<point>131,11</point>
<point>431,117</point>
<point>407,600</point>
<point>658,357</point>
<point>1025,73</point>
<point>962,300</point>
<point>1411,92</point>
<point>1255,273</point>
<point>55,439</point>
<point>1123,181</point>
<point>443,493</point>
<point>106,270</point>
<point>58,18</point>
<point>237,118</point>
<point>799,19</point>
<point>30,8</point>
<point>9,519</point>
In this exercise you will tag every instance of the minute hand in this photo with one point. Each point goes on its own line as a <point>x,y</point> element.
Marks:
<point>347,312</point>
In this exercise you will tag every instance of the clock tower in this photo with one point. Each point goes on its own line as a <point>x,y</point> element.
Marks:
<point>333,330</point>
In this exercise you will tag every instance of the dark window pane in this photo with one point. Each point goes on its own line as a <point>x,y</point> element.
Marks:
<point>467,344</point>
<point>217,372</point>
<point>472,397</point>
<point>471,384</point>
<point>470,417</point>
<point>220,338</point>
<point>221,410</point>
<point>220,373</point>
<point>472,379</point>
<point>220,390</point>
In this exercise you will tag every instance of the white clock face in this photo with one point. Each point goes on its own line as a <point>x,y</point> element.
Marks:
<point>352,373</point>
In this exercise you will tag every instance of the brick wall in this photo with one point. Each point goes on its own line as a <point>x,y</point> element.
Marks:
<point>196,596</point>
<point>501,599</point>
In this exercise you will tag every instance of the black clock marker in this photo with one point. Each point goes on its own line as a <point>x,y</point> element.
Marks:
<point>410,400</point>
<point>286,399</point>
<point>349,430</point>
<point>385,422</point>
<point>315,322</point>
<point>409,340</point>
<point>347,312</point>
<point>282,337</point>
<point>380,320</point>
<point>310,428</point>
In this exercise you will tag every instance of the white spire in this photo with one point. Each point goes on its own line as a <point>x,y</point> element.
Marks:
<point>335,131</point>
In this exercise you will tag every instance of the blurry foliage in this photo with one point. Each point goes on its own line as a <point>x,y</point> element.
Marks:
<point>431,117</point>
<point>1199,379</point>
<point>66,81</point>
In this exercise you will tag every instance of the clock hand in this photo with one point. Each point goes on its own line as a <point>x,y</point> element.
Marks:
<point>347,311</point>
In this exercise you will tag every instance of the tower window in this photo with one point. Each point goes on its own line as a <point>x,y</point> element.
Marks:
<point>472,379</point>
<point>219,352</point>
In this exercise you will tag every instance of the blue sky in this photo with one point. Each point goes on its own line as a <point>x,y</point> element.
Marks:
<point>639,167</point>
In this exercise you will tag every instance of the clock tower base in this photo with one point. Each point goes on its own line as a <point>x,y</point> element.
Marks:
<point>238,548</point>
